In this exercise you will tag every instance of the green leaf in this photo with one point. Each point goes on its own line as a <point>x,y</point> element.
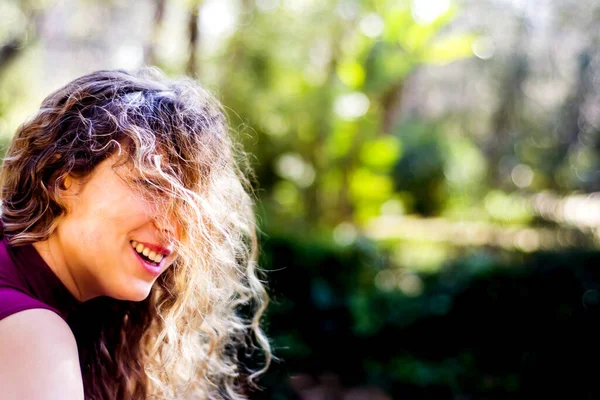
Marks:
<point>367,185</point>
<point>449,49</point>
<point>381,153</point>
<point>351,74</point>
<point>397,21</point>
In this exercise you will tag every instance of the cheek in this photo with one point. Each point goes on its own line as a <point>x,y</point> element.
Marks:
<point>122,206</point>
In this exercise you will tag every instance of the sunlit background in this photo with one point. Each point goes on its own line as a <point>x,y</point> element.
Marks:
<point>428,175</point>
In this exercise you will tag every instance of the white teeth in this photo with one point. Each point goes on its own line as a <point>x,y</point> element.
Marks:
<point>151,254</point>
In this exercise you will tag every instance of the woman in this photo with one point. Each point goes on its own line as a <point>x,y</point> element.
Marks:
<point>128,258</point>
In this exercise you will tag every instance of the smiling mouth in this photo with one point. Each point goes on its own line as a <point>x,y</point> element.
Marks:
<point>149,256</point>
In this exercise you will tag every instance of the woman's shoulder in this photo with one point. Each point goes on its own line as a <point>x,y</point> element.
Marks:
<point>13,301</point>
<point>37,345</point>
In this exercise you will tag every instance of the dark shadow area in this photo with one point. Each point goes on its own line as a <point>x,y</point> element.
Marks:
<point>502,330</point>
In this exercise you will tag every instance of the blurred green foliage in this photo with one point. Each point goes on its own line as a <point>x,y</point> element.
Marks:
<point>321,99</point>
<point>486,327</point>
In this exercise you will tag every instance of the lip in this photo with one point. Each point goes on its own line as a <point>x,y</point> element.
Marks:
<point>157,248</point>
<point>151,268</point>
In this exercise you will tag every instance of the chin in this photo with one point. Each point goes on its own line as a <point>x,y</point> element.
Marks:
<point>138,297</point>
<point>133,292</point>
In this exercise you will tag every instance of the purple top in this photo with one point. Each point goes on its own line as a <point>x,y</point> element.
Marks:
<point>27,282</point>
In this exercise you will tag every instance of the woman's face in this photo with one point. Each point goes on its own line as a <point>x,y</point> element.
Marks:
<point>106,217</point>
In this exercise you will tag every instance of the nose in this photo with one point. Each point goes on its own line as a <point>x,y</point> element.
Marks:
<point>167,229</point>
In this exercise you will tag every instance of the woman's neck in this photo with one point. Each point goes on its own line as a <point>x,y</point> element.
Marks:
<point>50,252</point>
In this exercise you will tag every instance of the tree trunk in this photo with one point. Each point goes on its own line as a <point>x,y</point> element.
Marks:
<point>159,15</point>
<point>194,35</point>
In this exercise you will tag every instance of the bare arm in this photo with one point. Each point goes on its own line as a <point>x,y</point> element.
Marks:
<point>38,358</point>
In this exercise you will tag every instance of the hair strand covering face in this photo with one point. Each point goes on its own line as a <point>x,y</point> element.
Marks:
<point>183,340</point>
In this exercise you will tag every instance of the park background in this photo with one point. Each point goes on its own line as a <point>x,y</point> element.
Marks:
<point>427,176</point>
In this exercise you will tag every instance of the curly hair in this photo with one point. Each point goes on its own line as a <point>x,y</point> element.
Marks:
<point>203,314</point>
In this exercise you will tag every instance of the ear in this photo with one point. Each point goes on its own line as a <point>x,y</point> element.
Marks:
<point>67,182</point>
<point>68,186</point>
<point>66,191</point>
